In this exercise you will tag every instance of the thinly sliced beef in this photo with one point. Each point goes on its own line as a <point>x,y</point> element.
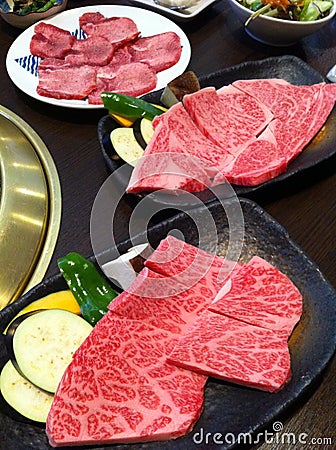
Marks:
<point>159,51</point>
<point>91,17</point>
<point>95,51</point>
<point>228,118</point>
<point>119,388</point>
<point>50,41</point>
<point>70,83</point>
<point>285,100</point>
<point>330,93</point>
<point>182,135</point>
<point>301,111</point>
<point>130,79</point>
<point>234,351</point>
<point>178,156</point>
<point>130,379</point>
<point>108,44</point>
<point>263,296</point>
<point>175,172</point>
<point>117,30</point>
<point>162,302</point>
<point>257,128</point>
<point>52,63</point>
<point>121,56</point>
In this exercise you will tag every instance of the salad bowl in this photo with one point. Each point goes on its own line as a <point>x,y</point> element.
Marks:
<point>275,31</point>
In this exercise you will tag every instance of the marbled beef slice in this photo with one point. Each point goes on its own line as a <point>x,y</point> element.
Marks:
<point>234,351</point>
<point>118,388</point>
<point>94,51</point>
<point>259,161</point>
<point>186,264</point>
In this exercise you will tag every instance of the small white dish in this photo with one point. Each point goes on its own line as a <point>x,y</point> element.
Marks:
<point>331,75</point>
<point>278,32</point>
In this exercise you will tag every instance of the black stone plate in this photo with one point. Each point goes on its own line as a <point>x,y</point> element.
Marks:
<point>229,409</point>
<point>290,68</point>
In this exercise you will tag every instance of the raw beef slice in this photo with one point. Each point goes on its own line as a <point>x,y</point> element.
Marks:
<point>178,156</point>
<point>117,30</point>
<point>229,118</point>
<point>91,17</point>
<point>158,301</point>
<point>234,351</point>
<point>159,51</point>
<point>95,51</point>
<point>129,79</point>
<point>70,83</point>
<point>119,379</point>
<point>186,264</point>
<point>121,56</point>
<point>263,296</point>
<point>49,41</point>
<point>118,389</point>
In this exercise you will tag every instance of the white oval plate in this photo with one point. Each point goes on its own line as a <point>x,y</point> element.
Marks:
<point>22,65</point>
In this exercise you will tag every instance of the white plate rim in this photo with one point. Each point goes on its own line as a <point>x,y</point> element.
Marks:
<point>148,22</point>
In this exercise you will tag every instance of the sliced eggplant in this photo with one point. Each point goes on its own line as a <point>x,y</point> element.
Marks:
<point>42,344</point>
<point>126,145</point>
<point>184,84</point>
<point>26,400</point>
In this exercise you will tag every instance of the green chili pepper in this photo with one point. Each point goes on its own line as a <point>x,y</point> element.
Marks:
<point>130,107</point>
<point>23,7</point>
<point>257,5</point>
<point>48,5</point>
<point>92,292</point>
<point>314,10</point>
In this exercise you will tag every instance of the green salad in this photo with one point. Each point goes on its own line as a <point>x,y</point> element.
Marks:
<point>297,10</point>
<point>26,6</point>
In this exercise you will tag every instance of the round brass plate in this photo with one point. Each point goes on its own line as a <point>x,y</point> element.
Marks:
<point>30,207</point>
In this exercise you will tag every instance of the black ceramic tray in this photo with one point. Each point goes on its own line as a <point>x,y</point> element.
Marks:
<point>229,409</point>
<point>290,68</point>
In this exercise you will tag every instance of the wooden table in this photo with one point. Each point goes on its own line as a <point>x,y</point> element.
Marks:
<point>305,205</point>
